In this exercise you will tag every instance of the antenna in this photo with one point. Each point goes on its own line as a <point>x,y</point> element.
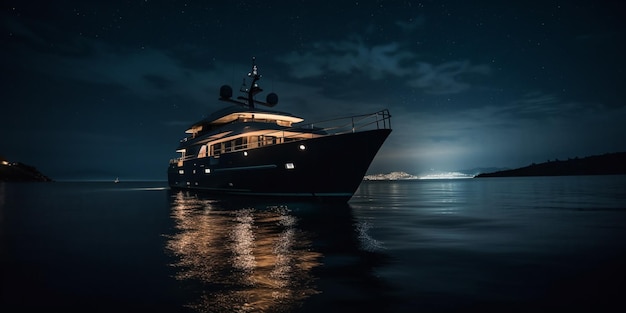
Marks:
<point>255,70</point>
<point>254,87</point>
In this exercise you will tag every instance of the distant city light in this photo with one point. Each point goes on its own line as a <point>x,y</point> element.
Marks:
<point>446,175</point>
<point>406,176</point>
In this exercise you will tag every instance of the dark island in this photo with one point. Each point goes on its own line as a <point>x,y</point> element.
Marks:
<point>19,172</point>
<point>606,164</point>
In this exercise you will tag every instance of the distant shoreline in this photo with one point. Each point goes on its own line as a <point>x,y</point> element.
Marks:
<point>606,164</point>
<point>20,172</point>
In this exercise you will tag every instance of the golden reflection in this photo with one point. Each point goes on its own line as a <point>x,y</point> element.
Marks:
<point>247,259</point>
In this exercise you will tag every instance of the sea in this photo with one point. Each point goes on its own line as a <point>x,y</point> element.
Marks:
<point>532,244</point>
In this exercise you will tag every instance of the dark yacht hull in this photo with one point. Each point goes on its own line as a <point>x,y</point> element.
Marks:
<point>329,168</point>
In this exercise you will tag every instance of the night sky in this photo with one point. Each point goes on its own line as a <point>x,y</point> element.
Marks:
<point>100,89</point>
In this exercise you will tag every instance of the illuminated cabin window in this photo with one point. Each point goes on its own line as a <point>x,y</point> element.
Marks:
<point>216,149</point>
<point>290,166</point>
<point>181,172</point>
<point>253,141</point>
<point>267,140</point>
<point>203,151</point>
<point>239,143</point>
<point>207,171</point>
<point>270,140</point>
<point>229,146</point>
<point>242,143</point>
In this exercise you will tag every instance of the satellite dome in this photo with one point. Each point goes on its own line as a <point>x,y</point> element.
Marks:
<point>272,99</point>
<point>226,92</point>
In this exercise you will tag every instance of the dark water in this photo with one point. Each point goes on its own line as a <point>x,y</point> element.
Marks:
<point>478,245</point>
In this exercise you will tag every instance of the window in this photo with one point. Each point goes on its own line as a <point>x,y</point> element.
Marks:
<point>239,143</point>
<point>268,140</point>
<point>203,151</point>
<point>253,141</point>
<point>216,149</point>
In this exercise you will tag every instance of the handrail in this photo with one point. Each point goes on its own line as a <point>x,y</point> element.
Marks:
<point>353,123</point>
<point>340,125</point>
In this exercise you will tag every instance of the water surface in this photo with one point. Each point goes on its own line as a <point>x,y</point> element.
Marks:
<point>493,244</point>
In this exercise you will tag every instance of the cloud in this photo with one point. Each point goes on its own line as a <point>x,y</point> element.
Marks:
<point>445,78</point>
<point>143,72</point>
<point>348,57</point>
<point>537,105</point>
<point>390,60</point>
<point>142,76</point>
<point>147,73</point>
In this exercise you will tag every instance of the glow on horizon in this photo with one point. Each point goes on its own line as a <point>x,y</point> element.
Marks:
<point>407,176</point>
<point>446,175</point>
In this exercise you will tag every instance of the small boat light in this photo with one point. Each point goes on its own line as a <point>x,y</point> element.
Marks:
<point>181,172</point>
<point>207,171</point>
<point>302,147</point>
<point>245,153</point>
<point>290,166</point>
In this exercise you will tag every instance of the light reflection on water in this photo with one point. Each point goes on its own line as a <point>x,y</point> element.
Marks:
<point>246,258</point>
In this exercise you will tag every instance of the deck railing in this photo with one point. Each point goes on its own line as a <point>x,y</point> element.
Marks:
<point>341,125</point>
<point>352,124</point>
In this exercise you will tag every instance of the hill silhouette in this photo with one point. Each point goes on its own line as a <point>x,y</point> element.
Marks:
<point>19,172</point>
<point>606,164</point>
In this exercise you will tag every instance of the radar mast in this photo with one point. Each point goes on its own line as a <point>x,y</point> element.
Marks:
<point>254,86</point>
<point>249,93</point>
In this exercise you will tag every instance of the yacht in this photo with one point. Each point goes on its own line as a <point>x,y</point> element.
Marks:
<point>246,150</point>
